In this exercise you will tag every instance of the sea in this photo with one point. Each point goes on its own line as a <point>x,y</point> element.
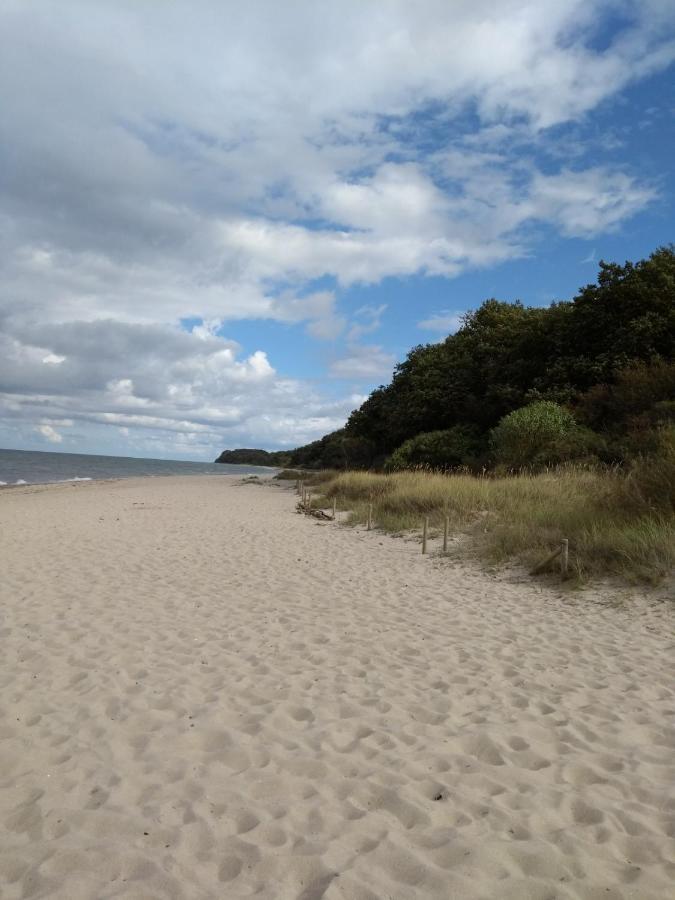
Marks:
<point>40,467</point>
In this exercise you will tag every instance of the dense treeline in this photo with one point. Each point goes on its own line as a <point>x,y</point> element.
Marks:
<point>593,377</point>
<point>606,359</point>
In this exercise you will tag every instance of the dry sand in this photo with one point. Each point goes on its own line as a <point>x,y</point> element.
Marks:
<point>205,695</point>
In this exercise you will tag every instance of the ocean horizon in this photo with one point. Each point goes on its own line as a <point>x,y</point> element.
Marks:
<point>19,467</point>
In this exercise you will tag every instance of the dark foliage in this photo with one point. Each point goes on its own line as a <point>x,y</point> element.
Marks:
<point>438,450</point>
<point>607,355</point>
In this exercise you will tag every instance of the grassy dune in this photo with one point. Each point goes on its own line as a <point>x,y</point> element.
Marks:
<point>617,523</point>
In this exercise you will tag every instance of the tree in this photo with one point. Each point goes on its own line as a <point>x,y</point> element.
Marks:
<point>457,446</point>
<point>628,316</point>
<point>507,356</point>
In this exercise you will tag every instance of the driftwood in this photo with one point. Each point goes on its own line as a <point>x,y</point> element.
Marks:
<point>319,514</point>
<point>563,553</point>
<point>316,513</point>
<point>549,559</point>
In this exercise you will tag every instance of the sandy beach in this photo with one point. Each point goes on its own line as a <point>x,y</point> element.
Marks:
<point>205,695</point>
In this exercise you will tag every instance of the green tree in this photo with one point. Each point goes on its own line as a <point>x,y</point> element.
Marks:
<point>628,316</point>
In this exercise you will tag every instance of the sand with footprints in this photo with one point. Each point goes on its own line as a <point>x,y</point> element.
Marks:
<point>205,695</point>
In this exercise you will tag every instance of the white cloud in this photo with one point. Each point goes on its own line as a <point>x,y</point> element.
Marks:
<point>50,433</point>
<point>326,329</point>
<point>395,194</point>
<point>442,322</point>
<point>587,203</point>
<point>364,362</point>
<point>155,383</point>
<point>227,158</point>
<point>369,319</point>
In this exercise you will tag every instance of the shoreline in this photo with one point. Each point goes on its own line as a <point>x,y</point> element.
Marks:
<point>205,694</point>
<point>20,467</point>
<point>74,482</point>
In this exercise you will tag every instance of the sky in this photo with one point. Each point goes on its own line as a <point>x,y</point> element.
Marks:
<point>222,224</point>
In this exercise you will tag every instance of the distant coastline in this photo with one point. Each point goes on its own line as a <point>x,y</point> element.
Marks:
<point>255,457</point>
<point>21,467</point>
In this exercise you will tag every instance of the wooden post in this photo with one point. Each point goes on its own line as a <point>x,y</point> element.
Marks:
<point>425,529</point>
<point>564,557</point>
<point>446,528</point>
<point>334,507</point>
<point>308,505</point>
<point>370,516</point>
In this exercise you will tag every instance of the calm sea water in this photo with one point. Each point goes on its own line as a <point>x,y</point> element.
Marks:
<point>32,467</point>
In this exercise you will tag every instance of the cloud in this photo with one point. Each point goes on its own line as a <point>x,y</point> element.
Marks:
<point>50,433</point>
<point>369,319</point>
<point>218,166</point>
<point>326,329</point>
<point>316,308</point>
<point>364,362</point>
<point>443,322</point>
<point>587,203</point>
<point>162,384</point>
<point>234,162</point>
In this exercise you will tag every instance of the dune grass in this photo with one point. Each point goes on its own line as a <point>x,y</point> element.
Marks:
<point>616,524</point>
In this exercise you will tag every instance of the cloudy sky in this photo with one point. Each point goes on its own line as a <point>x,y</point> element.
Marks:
<point>222,223</point>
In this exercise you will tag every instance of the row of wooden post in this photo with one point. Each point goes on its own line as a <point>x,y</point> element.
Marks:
<point>306,497</point>
<point>562,551</point>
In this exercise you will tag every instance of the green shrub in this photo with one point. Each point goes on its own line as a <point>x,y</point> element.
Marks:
<point>641,396</point>
<point>439,450</point>
<point>524,437</point>
<point>651,479</point>
<point>579,445</point>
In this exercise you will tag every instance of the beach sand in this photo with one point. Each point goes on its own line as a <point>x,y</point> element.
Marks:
<point>205,695</point>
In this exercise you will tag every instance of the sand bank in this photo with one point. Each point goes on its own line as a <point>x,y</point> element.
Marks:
<point>203,695</point>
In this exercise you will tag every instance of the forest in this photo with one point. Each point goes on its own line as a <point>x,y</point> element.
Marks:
<point>516,387</point>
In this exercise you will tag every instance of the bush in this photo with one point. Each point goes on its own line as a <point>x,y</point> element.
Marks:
<point>651,479</point>
<point>527,435</point>
<point>439,450</point>
<point>641,396</point>
<point>579,445</point>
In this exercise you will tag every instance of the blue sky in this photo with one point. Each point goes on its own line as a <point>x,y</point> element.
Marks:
<point>222,229</point>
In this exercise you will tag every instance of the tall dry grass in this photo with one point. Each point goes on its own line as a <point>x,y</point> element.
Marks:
<point>616,524</point>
